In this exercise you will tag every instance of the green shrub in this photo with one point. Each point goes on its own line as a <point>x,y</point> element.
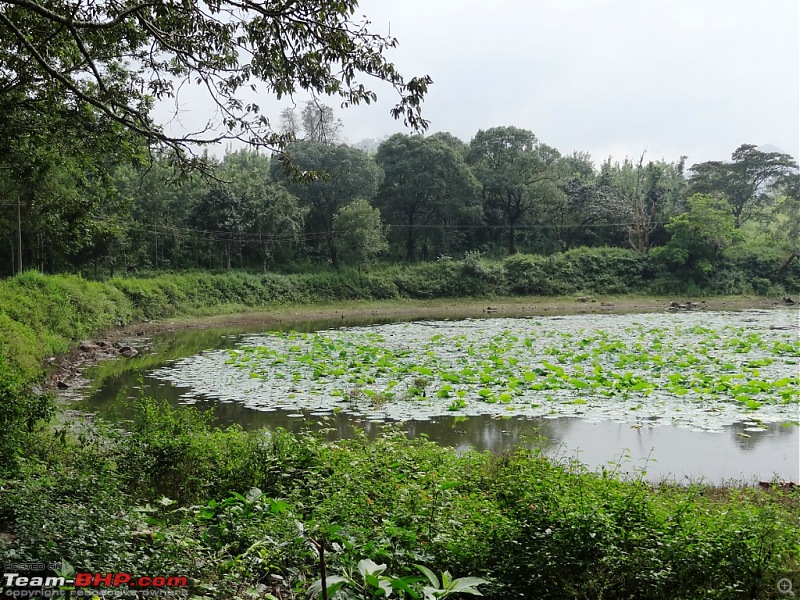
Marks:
<point>487,276</point>
<point>231,509</point>
<point>440,279</point>
<point>604,270</point>
<point>536,275</point>
<point>21,410</point>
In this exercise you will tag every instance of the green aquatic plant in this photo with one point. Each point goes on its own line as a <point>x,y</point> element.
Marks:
<point>642,364</point>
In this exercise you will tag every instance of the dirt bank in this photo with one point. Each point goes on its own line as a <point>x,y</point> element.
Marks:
<point>445,309</point>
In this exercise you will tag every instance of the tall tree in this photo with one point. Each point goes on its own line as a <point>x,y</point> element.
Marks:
<point>515,170</point>
<point>359,233</point>
<point>161,235</point>
<point>116,58</point>
<point>290,125</point>
<point>583,202</point>
<point>746,181</point>
<point>647,195</point>
<point>221,217</point>
<point>320,123</point>
<point>786,217</point>
<point>344,174</point>
<point>428,187</point>
<point>699,235</point>
<point>450,140</point>
<point>55,194</point>
<point>272,218</point>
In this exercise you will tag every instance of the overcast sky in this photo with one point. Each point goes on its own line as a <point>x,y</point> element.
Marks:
<point>611,77</point>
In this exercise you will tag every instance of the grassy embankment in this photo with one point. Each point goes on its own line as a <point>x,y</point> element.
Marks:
<point>533,528</point>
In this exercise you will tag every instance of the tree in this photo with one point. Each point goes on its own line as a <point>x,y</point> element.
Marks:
<point>115,58</point>
<point>245,215</point>
<point>344,175</point>
<point>582,201</point>
<point>746,181</point>
<point>162,234</point>
<point>290,126</point>
<point>427,187</point>
<point>515,170</point>
<point>646,194</point>
<point>785,229</point>
<point>450,140</point>
<point>581,205</point>
<point>272,217</point>
<point>221,217</point>
<point>56,194</point>
<point>320,124</point>
<point>700,235</point>
<point>359,234</point>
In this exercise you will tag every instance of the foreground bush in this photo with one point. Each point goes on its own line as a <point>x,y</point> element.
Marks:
<point>234,511</point>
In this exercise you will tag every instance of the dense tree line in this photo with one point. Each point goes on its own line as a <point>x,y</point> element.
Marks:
<point>90,182</point>
<point>416,198</point>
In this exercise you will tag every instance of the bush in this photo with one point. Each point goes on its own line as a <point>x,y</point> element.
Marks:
<point>21,410</point>
<point>431,280</point>
<point>230,508</point>
<point>742,269</point>
<point>488,276</point>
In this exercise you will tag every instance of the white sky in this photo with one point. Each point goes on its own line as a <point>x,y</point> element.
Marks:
<point>611,77</point>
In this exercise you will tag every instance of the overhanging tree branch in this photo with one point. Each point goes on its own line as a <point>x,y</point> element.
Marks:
<point>119,56</point>
<point>77,23</point>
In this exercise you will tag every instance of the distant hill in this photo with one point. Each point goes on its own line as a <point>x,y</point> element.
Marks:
<point>370,145</point>
<point>773,148</point>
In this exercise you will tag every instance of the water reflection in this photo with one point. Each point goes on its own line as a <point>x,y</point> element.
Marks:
<point>740,451</point>
<point>663,452</point>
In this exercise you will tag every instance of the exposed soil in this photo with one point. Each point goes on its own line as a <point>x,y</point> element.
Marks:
<point>445,309</point>
<point>67,369</point>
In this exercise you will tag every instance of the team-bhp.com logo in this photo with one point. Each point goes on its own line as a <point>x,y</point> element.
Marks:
<point>25,580</point>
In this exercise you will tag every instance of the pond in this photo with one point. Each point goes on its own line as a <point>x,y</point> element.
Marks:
<point>690,395</point>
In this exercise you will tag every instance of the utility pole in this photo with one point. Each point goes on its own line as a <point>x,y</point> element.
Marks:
<point>19,235</point>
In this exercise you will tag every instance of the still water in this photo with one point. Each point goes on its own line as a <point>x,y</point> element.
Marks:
<point>734,452</point>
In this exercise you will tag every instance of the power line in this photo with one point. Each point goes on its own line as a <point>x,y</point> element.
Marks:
<point>225,234</point>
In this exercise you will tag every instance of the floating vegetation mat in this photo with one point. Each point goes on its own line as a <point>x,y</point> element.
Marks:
<point>696,370</point>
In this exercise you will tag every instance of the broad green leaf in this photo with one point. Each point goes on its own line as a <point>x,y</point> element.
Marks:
<point>467,585</point>
<point>366,566</point>
<point>333,583</point>
<point>429,574</point>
